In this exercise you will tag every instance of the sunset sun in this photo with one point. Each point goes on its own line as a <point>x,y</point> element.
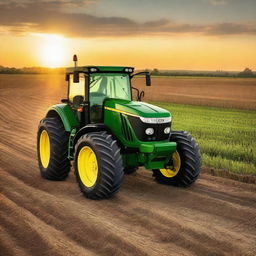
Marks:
<point>53,50</point>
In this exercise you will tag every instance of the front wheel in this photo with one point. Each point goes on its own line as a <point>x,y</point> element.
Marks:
<point>185,162</point>
<point>98,165</point>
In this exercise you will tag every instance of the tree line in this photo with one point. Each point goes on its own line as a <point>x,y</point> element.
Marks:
<point>247,72</point>
<point>30,70</point>
<point>218,73</point>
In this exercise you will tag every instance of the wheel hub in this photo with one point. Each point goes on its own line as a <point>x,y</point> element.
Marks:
<point>173,171</point>
<point>45,149</point>
<point>87,166</point>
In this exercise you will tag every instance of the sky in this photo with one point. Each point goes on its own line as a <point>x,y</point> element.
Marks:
<point>163,34</point>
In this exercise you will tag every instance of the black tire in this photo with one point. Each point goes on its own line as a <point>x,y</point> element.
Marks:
<point>109,161</point>
<point>190,157</point>
<point>130,170</point>
<point>59,164</point>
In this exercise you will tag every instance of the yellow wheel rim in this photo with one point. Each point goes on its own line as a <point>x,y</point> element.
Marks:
<point>87,166</point>
<point>169,173</point>
<point>45,149</point>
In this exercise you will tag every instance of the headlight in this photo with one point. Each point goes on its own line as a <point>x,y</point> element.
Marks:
<point>149,131</point>
<point>167,130</point>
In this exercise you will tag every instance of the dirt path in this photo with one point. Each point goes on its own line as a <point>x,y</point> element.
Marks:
<point>38,217</point>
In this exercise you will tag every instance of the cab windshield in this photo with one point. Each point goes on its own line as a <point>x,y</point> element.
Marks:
<point>110,86</point>
<point>107,85</point>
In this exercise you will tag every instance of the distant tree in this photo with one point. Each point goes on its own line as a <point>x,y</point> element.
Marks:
<point>155,72</point>
<point>246,73</point>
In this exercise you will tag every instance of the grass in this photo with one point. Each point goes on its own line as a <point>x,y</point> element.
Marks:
<point>227,137</point>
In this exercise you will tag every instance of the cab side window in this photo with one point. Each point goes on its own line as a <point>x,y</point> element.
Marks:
<point>77,90</point>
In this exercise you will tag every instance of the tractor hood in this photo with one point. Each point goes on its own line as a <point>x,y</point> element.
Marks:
<point>136,108</point>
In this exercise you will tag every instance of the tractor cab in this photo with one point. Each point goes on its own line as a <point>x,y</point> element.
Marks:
<point>89,87</point>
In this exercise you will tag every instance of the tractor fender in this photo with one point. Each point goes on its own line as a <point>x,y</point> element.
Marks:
<point>66,114</point>
<point>90,128</point>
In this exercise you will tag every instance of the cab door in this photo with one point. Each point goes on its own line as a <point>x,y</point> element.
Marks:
<point>78,97</point>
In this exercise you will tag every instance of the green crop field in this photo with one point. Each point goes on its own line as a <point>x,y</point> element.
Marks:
<point>227,137</point>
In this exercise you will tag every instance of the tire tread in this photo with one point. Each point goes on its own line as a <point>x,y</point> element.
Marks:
<point>190,161</point>
<point>110,165</point>
<point>59,165</point>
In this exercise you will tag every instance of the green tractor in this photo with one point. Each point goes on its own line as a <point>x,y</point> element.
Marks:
<point>106,134</point>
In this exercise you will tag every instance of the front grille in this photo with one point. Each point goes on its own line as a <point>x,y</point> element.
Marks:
<point>139,128</point>
<point>126,130</point>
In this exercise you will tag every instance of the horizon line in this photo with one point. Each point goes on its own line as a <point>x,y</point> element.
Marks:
<point>165,69</point>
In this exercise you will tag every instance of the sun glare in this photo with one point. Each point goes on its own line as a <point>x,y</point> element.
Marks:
<point>53,50</point>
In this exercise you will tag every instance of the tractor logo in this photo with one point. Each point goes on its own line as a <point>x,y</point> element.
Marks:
<point>160,120</point>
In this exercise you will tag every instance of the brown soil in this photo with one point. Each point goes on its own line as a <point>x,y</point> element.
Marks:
<point>220,92</point>
<point>216,216</point>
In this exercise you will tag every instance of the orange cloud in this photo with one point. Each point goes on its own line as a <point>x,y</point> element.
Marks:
<point>49,17</point>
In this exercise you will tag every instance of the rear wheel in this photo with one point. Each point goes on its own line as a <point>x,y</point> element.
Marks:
<point>186,162</point>
<point>52,149</point>
<point>98,165</point>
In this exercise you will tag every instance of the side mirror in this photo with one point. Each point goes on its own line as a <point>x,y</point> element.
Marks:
<point>76,77</point>
<point>67,78</point>
<point>148,80</point>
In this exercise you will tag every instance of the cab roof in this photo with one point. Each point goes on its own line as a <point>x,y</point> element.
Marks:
<point>99,69</point>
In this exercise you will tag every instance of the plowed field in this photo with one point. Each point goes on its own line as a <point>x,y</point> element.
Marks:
<point>216,216</point>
